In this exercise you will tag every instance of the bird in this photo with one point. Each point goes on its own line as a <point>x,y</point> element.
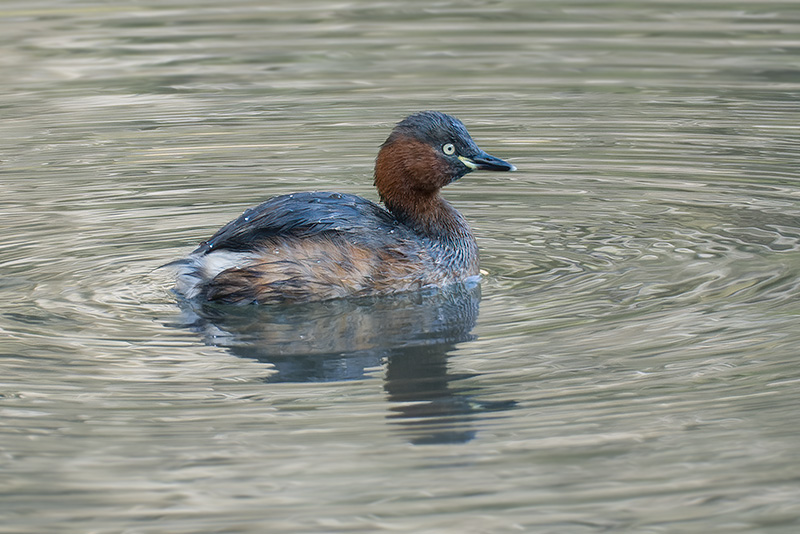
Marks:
<point>314,246</point>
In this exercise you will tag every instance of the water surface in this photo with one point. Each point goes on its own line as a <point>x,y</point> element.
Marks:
<point>628,363</point>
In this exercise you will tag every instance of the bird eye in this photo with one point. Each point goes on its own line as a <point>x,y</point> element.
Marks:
<point>449,149</point>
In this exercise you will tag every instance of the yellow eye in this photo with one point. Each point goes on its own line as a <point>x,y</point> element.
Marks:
<point>449,149</point>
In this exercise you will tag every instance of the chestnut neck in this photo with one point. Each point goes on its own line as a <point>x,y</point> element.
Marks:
<point>409,176</point>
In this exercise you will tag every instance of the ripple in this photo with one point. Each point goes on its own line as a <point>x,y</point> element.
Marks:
<point>632,362</point>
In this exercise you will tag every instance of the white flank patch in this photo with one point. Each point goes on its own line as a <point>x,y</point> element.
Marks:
<point>201,268</point>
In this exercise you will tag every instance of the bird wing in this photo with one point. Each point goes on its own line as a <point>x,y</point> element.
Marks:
<point>300,215</point>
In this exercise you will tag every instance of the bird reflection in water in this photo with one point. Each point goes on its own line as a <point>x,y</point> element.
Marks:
<point>338,340</point>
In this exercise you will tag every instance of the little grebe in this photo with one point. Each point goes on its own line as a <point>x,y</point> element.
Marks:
<point>318,246</point>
